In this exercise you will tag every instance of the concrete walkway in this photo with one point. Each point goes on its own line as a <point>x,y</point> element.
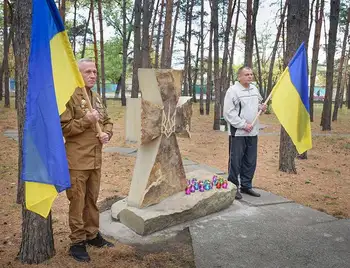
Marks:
<point>269,231</point>
<point>265,232</point>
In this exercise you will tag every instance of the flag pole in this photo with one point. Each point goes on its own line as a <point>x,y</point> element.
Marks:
<point>99,130</point>
<point>266,101</point>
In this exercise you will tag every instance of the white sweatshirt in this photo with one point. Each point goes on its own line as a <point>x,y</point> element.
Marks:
<point>241,106</point>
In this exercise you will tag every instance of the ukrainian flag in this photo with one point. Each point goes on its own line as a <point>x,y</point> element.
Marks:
<point>290,101</point>
<point>53,76</point>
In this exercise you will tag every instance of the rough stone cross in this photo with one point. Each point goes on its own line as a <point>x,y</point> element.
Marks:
<point>159,171</point>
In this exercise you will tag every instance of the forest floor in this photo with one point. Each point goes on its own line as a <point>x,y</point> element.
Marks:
<point>322,182</point>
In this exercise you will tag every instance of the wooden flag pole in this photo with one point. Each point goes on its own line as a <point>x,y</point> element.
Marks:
<point>259,113</point>
<point>99,130</point>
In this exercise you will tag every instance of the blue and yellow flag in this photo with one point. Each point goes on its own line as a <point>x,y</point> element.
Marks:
<point>290,101</point>
<point>53,76</point>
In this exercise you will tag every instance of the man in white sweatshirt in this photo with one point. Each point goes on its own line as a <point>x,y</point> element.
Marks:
<point>241,106</point>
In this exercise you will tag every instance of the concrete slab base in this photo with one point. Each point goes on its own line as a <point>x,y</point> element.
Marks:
<point>176,209</point>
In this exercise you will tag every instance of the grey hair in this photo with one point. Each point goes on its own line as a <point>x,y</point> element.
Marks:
<point>243,68</point>
<point>85,60</point>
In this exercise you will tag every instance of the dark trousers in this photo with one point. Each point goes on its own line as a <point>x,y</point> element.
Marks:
<point>242,160</point>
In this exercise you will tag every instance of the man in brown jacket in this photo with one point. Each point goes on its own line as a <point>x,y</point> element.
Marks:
<point>84,153</point>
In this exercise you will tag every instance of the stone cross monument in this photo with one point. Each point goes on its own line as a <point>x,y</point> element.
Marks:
<point>159,171</point>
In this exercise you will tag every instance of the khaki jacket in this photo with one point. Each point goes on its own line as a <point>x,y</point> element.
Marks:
<point>83,148</point>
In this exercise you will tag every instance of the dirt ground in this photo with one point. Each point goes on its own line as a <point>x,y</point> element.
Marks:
<point>322,182</point>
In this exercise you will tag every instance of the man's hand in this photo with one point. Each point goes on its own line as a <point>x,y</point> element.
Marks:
<point>263,107</point>
<point>104,137</point>
<point>248,127</point>
<point>92,116</point>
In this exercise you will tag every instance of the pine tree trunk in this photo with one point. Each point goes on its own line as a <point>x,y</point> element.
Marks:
<point>125,55</point>
<point>6,52</point>
<point>174,27</point>
<point>259,66</point>
<point>147,15</point>
<point>63,11</point>
<point>185,80</point>
<point>217,109</point>
<point>210,70</point>
<point>332,40</point>
<point>137,54</point>
<point>201,105</point>
<point>37,243</point>
<point>348,94</point>
<point>297,32</point>
<point>159,34</point>
<point>230,73</point>
<point>165,62</point>
<point>315,51</point>
<point>86,31</point>
<point>338,95</point>
<point>153,26</point>
<point>103,79</point>
<point>74,27</point>
<point>196,69</point>
<point>224,83</point>
<point>344,80</point>
<point>95,46</point>
<point>248,54</point>
<point>189,56</point>
<point>275,47</point>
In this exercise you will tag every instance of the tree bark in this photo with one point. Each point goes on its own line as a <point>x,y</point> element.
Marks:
<point>137,54</point>
<point>159,33</point>
<point>217,109</point>
<point>174,27</point>
<point>224,83</point>
<point>248,54</point>
<point>332,40</point>
<point>153,25</point>
<point>297,32</point>
<point>165,62</point>
<point>85,32</point>
<point>74,26</point>
<point>315,51</point>
<point>230,74</point>
<point>63,11</point>
<point>37,243</point>
<point>210,70</point>
<point>275,47</point>
<point>147,15</point>
<point>95,47</point>
<point>189,56</point>
<point>260,83</point>
<point>185,81</point>
<point>103,79</point>
<point>6,52</point>
<point>348,94</point>
<point>338,95</point>
<point>344,80</point>
<point>201,105</point>
<point>196,69</point>
<point>125,56</point>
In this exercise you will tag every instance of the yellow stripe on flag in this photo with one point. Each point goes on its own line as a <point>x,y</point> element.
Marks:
<point>39,197</point>
<point>291,112</point>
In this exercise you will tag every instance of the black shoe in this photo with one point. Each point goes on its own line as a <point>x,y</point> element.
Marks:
<point>99,242</point>
<point>238,195</point>
<point>250,192</point>
<point>79,253</point>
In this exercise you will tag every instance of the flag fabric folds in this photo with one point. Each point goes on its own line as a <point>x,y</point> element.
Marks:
<point>53,76</point>
<point>290,101</point>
